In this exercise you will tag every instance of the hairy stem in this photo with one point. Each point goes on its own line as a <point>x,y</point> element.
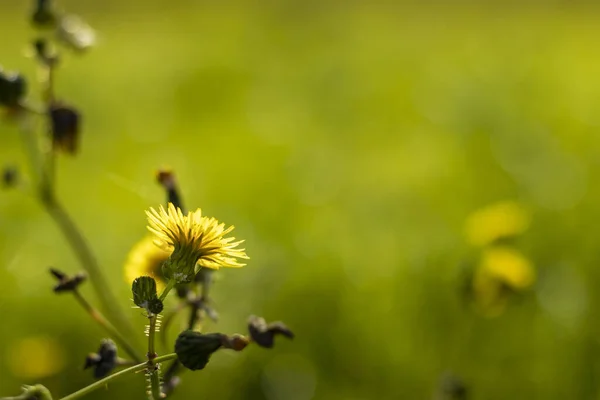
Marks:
<point>151,336</point>
<point>112,331</point>
<point>102,382</point>
<point>152,370</point>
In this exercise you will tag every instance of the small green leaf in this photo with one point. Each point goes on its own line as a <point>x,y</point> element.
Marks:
<point>194,348</point>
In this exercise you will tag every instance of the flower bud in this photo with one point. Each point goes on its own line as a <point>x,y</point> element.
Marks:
<point>65,122</point>
<point>13,88</point>
<point>144,294</point>
<point>43,15</point>
<point>67,283</point>
<point>194,348</point>
<point>104,361</point>
<point>10,177</point>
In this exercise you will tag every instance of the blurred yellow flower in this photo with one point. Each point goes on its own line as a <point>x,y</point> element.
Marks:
<point>496,221</point>
<point>508,266</point>
<point>146,259</point>
<point>35,357</point>
<point>192,240</point>
<point>502,270</point>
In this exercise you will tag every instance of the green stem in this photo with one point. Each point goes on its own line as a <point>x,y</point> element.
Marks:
<point>112,331</point>
<point>152,370</point>
<point>167,289</point>
<point>155,384</point>
<point>151,336</point>
<point>88,261</point>
<point>102,382</point>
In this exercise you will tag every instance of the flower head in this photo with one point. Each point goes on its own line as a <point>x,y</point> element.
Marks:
<point>497,221</point>
<point>502,271</point>
<point>145,259</point>
<point>193,240</point>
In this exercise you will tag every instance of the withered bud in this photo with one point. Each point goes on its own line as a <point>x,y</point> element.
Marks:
<point>43,15</point>
<point>104,360</point>
<point>67,283</point>
<point>194,348</point>
<point>166,178</point>
<point>235,342</point>
<point>65,123</point>
<point>264,334</point>
<point>10,177</point>
<point>13,88</point>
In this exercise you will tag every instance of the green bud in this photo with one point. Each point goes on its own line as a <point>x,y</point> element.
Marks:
<point>144,294</point>
<point>194,348</point>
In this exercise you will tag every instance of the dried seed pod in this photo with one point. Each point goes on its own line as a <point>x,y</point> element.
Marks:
<point>104,360</point>
<point>264,334</point>
<point>65,122</point>
<point>67,283</point>
<point>43,16</point>
<point>13,88</point>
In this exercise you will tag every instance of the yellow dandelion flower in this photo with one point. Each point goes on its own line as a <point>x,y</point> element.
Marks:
<point>508,266</point>
<point>146,259</point>
<point>496,221</point>
<point>502,270</point>
<point>192,240</point>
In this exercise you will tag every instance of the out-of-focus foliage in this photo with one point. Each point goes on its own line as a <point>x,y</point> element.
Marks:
<point>349,143</point>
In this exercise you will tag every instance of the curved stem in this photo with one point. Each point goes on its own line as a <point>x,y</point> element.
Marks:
<point>100,319</point>
<point>167,289</point>
<point>102,382</point>
<point>88,261</point>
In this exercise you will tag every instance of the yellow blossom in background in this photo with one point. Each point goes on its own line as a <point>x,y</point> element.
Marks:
<point>501,271</point>
<point>496,221</point>
<point>193,240</point>
<point>146,259</point>
<point>35,357</point>
<point>508,266</point>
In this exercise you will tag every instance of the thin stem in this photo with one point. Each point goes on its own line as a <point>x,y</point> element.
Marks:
<point>88,262</point>
<point>151,336</point>
<point>152,369</point>
<point>167,289</point>
<point>102,382</point>
<point>202,289</point>
<point>155,384</point>
<point>114,332</point>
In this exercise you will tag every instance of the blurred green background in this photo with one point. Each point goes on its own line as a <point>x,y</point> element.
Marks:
<point>347,142</point>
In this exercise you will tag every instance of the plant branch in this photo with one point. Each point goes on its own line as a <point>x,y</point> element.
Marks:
<point>102,382</point>
<point>88,262</point>
<point>112,331</point>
